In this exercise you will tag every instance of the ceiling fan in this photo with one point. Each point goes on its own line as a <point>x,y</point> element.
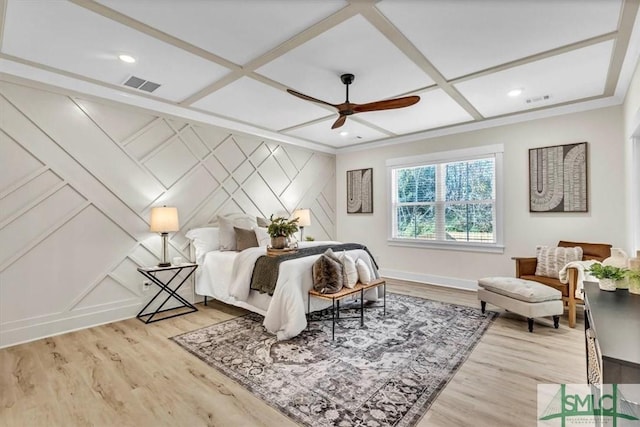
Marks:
<point>347,108</point>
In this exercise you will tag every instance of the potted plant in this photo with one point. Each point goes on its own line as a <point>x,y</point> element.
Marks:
<point>608,275</point>
<point>280,230</point>
<point>634,281</point>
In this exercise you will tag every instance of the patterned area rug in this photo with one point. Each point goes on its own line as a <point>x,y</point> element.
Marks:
<point>385,374</point>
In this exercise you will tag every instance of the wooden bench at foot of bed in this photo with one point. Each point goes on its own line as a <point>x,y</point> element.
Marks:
<point>345,292</point>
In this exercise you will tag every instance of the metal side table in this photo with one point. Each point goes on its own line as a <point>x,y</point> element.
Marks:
<point>167,286</point>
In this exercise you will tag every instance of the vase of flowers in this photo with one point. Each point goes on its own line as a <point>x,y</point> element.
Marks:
<point>280,230</point>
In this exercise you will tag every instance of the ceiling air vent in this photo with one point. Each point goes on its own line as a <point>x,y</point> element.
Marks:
<point>535,99</point>
<point>142,84</point>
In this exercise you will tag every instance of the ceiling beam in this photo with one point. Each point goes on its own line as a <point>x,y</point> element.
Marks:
<point>378,20</point>
<point>114,15</point>
<point>625,27</point>
<point>248,69</point>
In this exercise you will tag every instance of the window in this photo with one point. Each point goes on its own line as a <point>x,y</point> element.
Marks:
<point>447,200</point>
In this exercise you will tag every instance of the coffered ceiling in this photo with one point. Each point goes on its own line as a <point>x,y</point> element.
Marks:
<point>229,62</point>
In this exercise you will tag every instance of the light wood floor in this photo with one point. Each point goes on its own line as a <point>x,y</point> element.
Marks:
<point>129,374</point>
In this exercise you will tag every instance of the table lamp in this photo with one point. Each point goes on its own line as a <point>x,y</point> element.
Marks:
<point>164,220</point>
<point>304,219</point>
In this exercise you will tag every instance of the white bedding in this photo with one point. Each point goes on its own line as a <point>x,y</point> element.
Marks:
<point>226,276</point>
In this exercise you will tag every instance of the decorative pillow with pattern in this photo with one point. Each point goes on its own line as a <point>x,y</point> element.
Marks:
<point>550,260</point>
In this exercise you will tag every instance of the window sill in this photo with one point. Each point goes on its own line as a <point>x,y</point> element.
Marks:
<point>449,246</point>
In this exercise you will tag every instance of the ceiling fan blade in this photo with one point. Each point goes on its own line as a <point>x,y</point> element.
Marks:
<point>339,122</point>
<point>388,104</point>
<point>309,98</point>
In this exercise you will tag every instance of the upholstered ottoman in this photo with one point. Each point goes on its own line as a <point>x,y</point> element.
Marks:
<point>524,297</point>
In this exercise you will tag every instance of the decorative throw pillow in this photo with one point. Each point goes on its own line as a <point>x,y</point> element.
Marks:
<point>204,239</point>
<point>551,260</point>
<point>262,222</point>
<point>245,238</point>
<point>364,274</point>
<point>327,275</point>
<point>262,236</point>
<point>349,266</point>
<point>227,234</point>
<point>335,257</point>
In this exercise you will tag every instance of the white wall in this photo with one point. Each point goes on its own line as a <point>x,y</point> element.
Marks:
<point>631,108</point>
<point>78,178</point>
<point>605,221</point>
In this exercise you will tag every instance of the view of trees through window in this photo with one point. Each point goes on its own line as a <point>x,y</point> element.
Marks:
<point>446,201</point>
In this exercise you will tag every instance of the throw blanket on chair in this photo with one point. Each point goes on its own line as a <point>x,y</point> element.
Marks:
<point>583,275</point>
<point>265,271</point>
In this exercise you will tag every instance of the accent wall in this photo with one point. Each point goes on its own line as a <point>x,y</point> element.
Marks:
<point>78,179</point>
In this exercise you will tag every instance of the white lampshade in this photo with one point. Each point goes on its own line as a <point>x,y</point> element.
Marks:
<point>304,217</point>
<point>164,219</point>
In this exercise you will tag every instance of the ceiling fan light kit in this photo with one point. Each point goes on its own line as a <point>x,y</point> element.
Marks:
<point>347,108</point>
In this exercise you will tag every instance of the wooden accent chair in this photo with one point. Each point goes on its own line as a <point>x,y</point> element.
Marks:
<point>526,269</point>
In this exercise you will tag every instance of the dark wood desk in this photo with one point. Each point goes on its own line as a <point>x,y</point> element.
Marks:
<point>612,319</point>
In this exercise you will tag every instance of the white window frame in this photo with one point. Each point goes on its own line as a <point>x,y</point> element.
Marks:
<point>495,151</point>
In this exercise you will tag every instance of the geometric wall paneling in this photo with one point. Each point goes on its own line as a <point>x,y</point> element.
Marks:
<point>36,223</point>
<point>22,164</point>
<point>119,123</point>
<point>171,162</point>
<point>299,156</point>
<point>309,181</point>
<point>282,157</point>
<point>229,154</point>
<point>149,138</point>
<point>258,190</point>
<point>187,193</point>
<point>77,195</point>
<point>259,155</point>
<point>273,174</point>
<point>243,171</point>
<point>62,266</point>
<point>79,136</point>
<point>30,191</point>
<point>248,144</point>
<point>216,169</point>
<point>125,273</point>
<point>107,289</point>
<point>195,144</point>
<point>210,135</point>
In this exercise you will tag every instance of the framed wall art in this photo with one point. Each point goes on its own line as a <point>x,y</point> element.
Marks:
<point>360,191</point>
<point>558,178</point>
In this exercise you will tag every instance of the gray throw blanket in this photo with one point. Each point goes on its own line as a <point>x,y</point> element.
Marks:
<point>265,271</point>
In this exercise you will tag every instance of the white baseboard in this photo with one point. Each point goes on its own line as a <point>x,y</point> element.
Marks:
<point>449,282</point>
<point>23,331</point>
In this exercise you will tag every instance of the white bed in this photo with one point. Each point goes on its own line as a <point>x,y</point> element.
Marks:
<point>226,276</point>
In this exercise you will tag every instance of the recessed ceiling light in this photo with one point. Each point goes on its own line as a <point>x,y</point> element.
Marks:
<point>127,58</point>
<point>514,92</point>
<point>344,133</point>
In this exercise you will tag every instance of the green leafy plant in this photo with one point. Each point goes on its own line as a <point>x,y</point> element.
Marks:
<point>309,238</point>
<point>281,227</point>
<point>633,274</point>
<point>607,272</point>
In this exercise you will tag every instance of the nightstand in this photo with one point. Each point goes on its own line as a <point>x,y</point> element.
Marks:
<point>169,287</point>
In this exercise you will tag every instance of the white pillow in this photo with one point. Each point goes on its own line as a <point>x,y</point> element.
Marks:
<point>364,274</point>
<point>349,266</point>
<point>204,239</point>
<point>227,234</point>
<point>263,236</point>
